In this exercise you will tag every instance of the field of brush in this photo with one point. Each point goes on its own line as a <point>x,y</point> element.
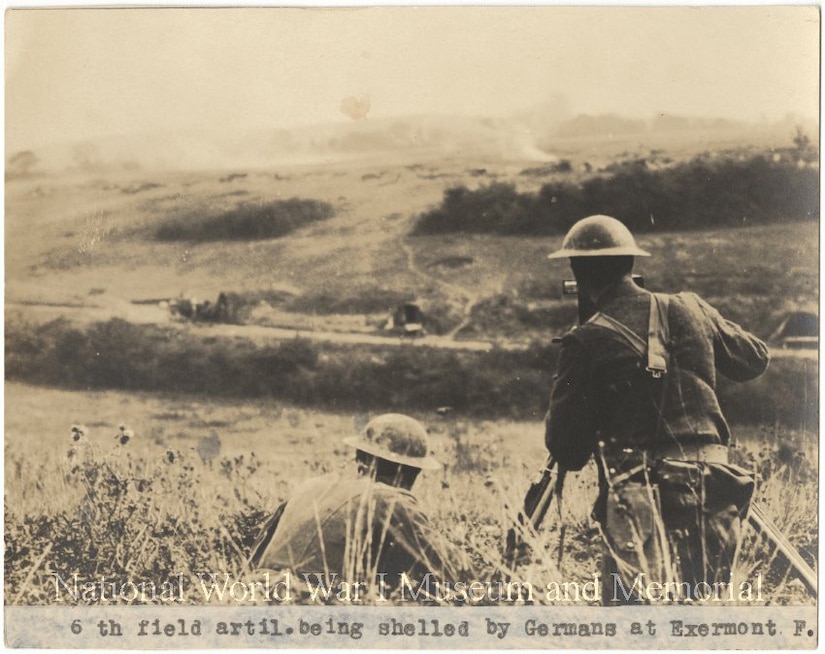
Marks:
<point>187,492</point>
<point>218,444</point>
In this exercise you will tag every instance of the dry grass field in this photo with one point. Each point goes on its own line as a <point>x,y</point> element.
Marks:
<point>186,493</point>
<point>191,485</point>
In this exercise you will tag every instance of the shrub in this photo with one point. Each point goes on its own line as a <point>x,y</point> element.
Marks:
<point>699,194</point>
<point>562,166</point>
<point>493,384</point>
<point>127,517</point>
<point>246,222</point>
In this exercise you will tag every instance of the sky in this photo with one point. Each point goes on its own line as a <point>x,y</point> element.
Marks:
<point>74,74</point>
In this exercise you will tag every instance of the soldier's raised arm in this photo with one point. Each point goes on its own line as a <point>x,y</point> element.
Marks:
<point>738,354</point>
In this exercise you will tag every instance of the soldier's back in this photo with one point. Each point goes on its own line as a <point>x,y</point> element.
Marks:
<point>336,525</point>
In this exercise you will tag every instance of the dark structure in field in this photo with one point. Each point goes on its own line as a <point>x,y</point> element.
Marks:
<point>206,311</point>
<point>408,320</point>
<point>798,330</point>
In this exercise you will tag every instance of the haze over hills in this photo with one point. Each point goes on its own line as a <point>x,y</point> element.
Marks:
<point>529,136</point>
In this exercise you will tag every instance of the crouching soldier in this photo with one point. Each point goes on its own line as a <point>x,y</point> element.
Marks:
<point>636,387</point>
<point>368,529</point>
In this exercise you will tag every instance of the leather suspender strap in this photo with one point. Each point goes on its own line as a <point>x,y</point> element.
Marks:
<point>633,339</point>
<point>658,335</point>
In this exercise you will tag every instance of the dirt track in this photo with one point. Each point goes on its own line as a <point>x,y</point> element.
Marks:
<point>261,335</point>
<point>155,315</point>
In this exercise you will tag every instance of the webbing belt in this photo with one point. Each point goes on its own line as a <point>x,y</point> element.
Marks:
<point>706,453</point>
<point>628,463</point>
<point>698,452</point>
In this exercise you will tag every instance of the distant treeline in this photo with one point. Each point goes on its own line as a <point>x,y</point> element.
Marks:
<point>247,222</point>
<point>699,194</point>
<point>497,384</point>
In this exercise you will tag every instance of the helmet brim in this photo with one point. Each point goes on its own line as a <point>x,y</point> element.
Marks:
<point>569,253</point>
<point>424,462</point>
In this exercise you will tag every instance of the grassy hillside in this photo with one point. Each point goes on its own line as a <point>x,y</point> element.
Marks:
<point>90,244</point>
<point>223,427</point>
<point>755,275</point>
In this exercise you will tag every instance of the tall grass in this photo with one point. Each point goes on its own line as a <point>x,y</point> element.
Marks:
<point>109,513</point>
<point>135,511</point>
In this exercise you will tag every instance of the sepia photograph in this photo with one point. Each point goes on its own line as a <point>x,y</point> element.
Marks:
<point>412,327</point>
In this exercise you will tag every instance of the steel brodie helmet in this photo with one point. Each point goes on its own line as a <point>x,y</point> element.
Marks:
<point>598,236</point>
<point>397,438</point>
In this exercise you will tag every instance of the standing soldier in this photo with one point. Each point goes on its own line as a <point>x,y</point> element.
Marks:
<point>636,388</point>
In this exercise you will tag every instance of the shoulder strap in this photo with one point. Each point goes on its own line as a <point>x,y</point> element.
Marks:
<point>633,339</point>
<point>658,335</point>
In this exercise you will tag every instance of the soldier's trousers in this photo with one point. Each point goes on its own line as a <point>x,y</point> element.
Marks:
<point>671,532</point>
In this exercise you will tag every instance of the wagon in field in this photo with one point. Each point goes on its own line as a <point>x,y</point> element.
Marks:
<point>407,320</point>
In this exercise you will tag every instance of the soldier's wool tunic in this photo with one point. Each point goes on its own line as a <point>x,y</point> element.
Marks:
<point>605,403</point>
<point>354,529</point>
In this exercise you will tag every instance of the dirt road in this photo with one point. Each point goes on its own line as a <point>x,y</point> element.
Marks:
<point>85,314</point>
<point>260,335</point>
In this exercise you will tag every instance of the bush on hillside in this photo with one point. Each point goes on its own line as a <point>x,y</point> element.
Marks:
<point>702,193</point>
<point>246,222</point>
<point>496,384</point>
